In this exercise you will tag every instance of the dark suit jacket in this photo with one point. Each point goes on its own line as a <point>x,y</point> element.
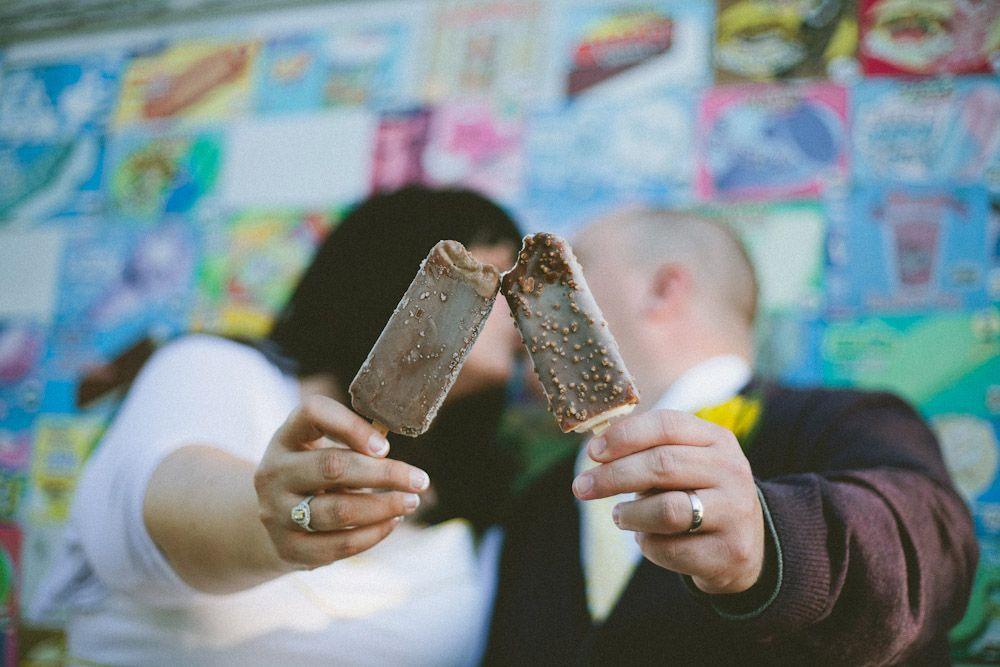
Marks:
<point>872,556</point>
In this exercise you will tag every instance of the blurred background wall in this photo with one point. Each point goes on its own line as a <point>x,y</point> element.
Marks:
<point>169,166</point>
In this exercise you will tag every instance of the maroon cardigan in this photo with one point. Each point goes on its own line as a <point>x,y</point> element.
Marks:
<point>871,556</point>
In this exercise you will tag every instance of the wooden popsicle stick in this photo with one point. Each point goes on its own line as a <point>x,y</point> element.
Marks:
<point>600,428</point>
<point>380,427</point>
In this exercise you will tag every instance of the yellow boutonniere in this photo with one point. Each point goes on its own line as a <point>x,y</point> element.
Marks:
<point>739,414</point>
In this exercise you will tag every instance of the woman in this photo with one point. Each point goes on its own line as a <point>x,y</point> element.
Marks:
<point>182,548</point>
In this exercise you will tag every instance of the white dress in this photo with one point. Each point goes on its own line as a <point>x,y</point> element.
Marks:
<point>415,599</point>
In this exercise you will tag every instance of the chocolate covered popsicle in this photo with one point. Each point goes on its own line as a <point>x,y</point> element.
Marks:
<point>416,359</point>
<point>575,356</point>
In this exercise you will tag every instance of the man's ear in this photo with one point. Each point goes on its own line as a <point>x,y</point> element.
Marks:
<point>670,289</point>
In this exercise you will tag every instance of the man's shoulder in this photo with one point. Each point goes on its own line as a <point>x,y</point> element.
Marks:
<point>777,395</point>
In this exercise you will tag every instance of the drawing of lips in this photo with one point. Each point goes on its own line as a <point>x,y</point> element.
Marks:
<point>912,33</point>
<point>196,81</point>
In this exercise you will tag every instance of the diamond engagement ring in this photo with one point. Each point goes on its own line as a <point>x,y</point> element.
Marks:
<point>697,511</point>
<point>301,514</point>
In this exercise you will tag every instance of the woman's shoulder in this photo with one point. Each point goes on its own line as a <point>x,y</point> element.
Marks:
<point>206,353</point>
<point>201,360</point>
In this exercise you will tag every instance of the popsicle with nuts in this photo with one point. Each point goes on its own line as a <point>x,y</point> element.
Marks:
<point>574,354</point>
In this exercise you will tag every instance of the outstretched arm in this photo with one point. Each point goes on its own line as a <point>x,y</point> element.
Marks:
<point>872,540</point>
<point>225,525</point>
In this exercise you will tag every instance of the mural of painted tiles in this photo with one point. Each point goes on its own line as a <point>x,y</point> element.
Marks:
<point>993,251</point>
<point>10,566</point>
<point>767,141</point>
<point>956,386</point>
<point>372,64</point>
<point>904,353</point>
<point>932,131</point>
<point>288,75</point>
<point>62,445</point>
<point>476,143</point>
<point>57,100</point>
<point>608,47</point>
<point>355,61</point>
<point>22,347</point>
<point>42,180</point>
<point>485,48</point>
<point>250,266</point>
<point>15,460</point>
<point>192,80</point>
<point>774,39</point>
<point>565,215</point>
<point>400,141</point>
<point>119,285</point>
<point>152,175</point>
<point>789,282</point>
<point>928,37</point>
<point>604,150</point>
<point>907,247</point>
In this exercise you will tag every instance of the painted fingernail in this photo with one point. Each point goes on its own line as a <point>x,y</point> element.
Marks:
<point>616,514</point>
<point>583,484</point>
<point>378,445</point>
<point>419,480</point>
<point>598,446</point>
<point>411,501</point>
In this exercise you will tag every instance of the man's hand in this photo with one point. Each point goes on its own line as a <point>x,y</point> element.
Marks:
<point>327,451</point>
<point>661,455</point>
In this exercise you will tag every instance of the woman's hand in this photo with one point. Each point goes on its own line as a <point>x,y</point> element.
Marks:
<point>326,451</point>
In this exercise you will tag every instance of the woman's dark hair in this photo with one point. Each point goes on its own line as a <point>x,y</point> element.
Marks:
<point>363,267</point>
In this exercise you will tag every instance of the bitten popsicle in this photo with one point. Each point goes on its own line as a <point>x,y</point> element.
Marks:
<point>416,359</point>
<point>575,356</point>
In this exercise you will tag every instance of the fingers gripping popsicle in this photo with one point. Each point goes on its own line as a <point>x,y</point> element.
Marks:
<point>575,356</point>
<point>416,359</point>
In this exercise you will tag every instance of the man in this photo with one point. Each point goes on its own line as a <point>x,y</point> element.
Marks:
<point>825,529</point>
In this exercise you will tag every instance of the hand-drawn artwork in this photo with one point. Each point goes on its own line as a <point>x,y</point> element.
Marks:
<point>186,80</point>
<point>926,132</point>
<point>50,101</point>
<point>771,39</point>
<point>928,36</point>
<point>909,247</point>
<point>603,149</point>
<point>289,74</point>
<point>400,142</point>
<point>249,268</point>
<point>149,177</point>
<point>768,141</point>
<point>488,48</point>
<point>476,144</point>
<point>39,181</point>
<point>610,48</point>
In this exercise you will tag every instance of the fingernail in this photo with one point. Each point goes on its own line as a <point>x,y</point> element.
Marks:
<point>378,445</point>
<point>616,515</point>
<point>583,484</point>
<point>411,501</point>
<point>598,446</point>
<point>419,480</point>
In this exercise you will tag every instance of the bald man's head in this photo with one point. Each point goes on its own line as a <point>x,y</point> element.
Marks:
<point>645,239</point>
